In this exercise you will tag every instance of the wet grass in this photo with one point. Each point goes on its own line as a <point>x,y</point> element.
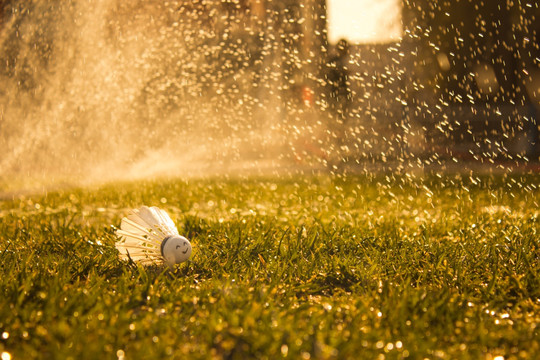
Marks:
<point>306,267</point>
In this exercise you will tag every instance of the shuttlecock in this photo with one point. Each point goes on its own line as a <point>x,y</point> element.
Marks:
<point>148,235</point>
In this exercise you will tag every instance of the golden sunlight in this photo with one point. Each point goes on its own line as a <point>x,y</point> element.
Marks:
<point>364,21</point>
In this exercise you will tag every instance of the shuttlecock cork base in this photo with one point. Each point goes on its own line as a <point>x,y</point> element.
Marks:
<point>149,236</point>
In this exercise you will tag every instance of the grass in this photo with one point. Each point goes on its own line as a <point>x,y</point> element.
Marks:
<point>300,267</point>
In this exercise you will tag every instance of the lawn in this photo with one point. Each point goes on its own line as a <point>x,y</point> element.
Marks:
<point>299,267</point>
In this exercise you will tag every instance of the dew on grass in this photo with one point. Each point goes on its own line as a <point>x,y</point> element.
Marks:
<point>416,143</point>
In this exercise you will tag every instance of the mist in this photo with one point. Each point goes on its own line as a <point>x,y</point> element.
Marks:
<point>97,90</point>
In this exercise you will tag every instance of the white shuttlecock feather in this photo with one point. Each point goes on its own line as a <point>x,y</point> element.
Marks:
<point>148,235</point>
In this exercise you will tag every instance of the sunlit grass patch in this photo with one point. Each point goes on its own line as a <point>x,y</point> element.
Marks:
<point>305,267</point>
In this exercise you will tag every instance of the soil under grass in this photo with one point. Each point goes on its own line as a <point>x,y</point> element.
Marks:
<point>299,267</point>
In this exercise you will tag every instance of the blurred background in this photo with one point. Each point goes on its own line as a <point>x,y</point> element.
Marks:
<point>102,90</point>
